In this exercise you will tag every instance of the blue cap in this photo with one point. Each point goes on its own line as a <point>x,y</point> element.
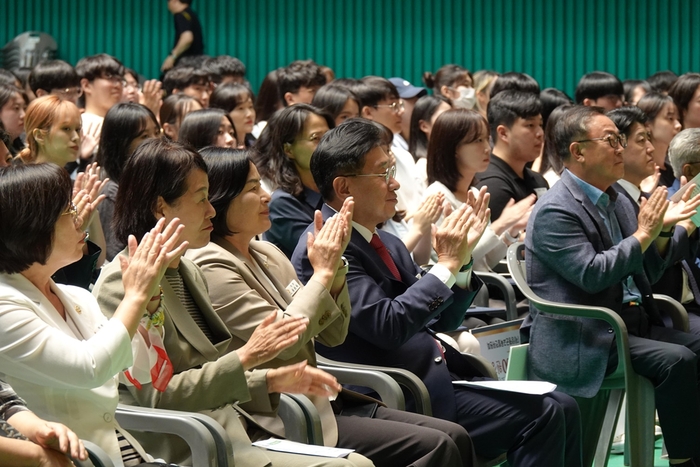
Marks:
<point>406,89</point>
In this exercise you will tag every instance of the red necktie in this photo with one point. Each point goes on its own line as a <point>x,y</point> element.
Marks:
<point>383,253</point>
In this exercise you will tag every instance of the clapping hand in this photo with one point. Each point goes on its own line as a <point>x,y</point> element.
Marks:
<point>302,379</point>
<point>270,338</point>
<point>86,193</point>
<point>148,260</point>
<point>328,242</point>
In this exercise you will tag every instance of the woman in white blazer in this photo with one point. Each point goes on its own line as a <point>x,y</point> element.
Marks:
<point>57,350</point>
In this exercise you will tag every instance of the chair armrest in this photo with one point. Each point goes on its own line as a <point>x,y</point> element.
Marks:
<point>674,309</point>
<point>481,364</point>
<point>506,289</point>
<point>387,388</point>
<point>404,377</point>
<point>302,422</point>
<point>195,434</point>
<point>516,266</point>
<point>224,447</point>
<point>96,455</point>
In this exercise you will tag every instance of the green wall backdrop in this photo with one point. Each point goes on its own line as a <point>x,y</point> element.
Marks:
<point>555,41</point>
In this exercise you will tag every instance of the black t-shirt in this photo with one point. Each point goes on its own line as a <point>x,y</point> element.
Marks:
<point>187,20</point>
<point>503,184</point>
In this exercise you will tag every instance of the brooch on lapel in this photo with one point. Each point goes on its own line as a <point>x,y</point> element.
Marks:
<point>78,309</point>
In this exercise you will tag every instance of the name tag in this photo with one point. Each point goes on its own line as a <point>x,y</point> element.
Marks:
<point>540,191</point>
<point>293,287</point>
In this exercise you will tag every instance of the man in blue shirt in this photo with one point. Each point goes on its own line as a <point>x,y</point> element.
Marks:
<point>585,246</point>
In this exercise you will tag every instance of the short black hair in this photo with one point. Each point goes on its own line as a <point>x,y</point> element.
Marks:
<point>32,198</point>
<point>331,98</point>
<point>661,81</point>
<point>158,168</point>
<point>193,61</point>
<point>507,106</point>
<point>598,84</point>
<point>423,110</point>
<point>224,65</point>
<point>625,117</point>
<point>53,74</point>
<point>551,98</point>
<point>181,77</point>
<point>373,89</point>
<point>122,124</point>
<point>342,151</point>
<point>452,128</point>
<point>283,128</point>
<point>228,96</point>
<point>200,128</point>
<point>683,90</point>
<point>514,81</point>
<point>629,85</point>
<point>298,74</point>
<point>96,66</point>
<point>228,171</point>
<point>571,127</point>
<point>8,78</point>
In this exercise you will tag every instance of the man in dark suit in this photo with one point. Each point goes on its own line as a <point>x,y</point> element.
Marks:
<point>680,280</point>
<point>396,306</point>
<point>585,246</point>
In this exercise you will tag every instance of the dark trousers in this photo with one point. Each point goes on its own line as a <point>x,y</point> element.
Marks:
<point>533,430</point>
<point>669,358</point>
<point>396,438</point>
<point>693,310</point>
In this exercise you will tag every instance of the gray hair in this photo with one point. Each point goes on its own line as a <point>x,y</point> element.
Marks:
<point>684,149</point>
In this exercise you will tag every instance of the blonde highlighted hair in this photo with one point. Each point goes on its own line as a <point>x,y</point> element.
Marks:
<point>41,114</point>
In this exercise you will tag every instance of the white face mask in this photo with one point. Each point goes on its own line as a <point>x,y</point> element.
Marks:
<point>466,99</point>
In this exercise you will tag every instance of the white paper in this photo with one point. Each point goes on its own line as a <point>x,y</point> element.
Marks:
<point>523,387</point>
<point>283,445</point>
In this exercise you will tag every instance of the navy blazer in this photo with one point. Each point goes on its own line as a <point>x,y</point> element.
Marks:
<point>390,317</point>
<point>289,217</point>
<point>571,258</point>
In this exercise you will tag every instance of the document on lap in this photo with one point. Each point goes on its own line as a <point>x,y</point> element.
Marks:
<point>537,388</point>
<point>283,445</point>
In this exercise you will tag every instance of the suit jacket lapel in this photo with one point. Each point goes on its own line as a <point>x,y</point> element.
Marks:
<point>184,322</point>
<point>280,296</point>
<point>589,207</point>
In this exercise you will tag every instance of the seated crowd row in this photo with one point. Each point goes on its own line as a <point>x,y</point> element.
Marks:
<point>368,178</point>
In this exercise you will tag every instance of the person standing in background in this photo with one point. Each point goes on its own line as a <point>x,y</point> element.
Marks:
<point>188,33</point>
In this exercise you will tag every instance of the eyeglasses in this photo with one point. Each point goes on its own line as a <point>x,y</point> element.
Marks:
<point>116,79</point>
<point>612,139</point>
<point>388,174</point>
<point>69,93</point>
<point>395,107</point>
<point>134,86</point>
<point>72,211</point>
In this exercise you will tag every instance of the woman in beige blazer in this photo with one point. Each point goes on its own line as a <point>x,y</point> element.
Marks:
<point>167,180</point>
<point>249,279</point>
